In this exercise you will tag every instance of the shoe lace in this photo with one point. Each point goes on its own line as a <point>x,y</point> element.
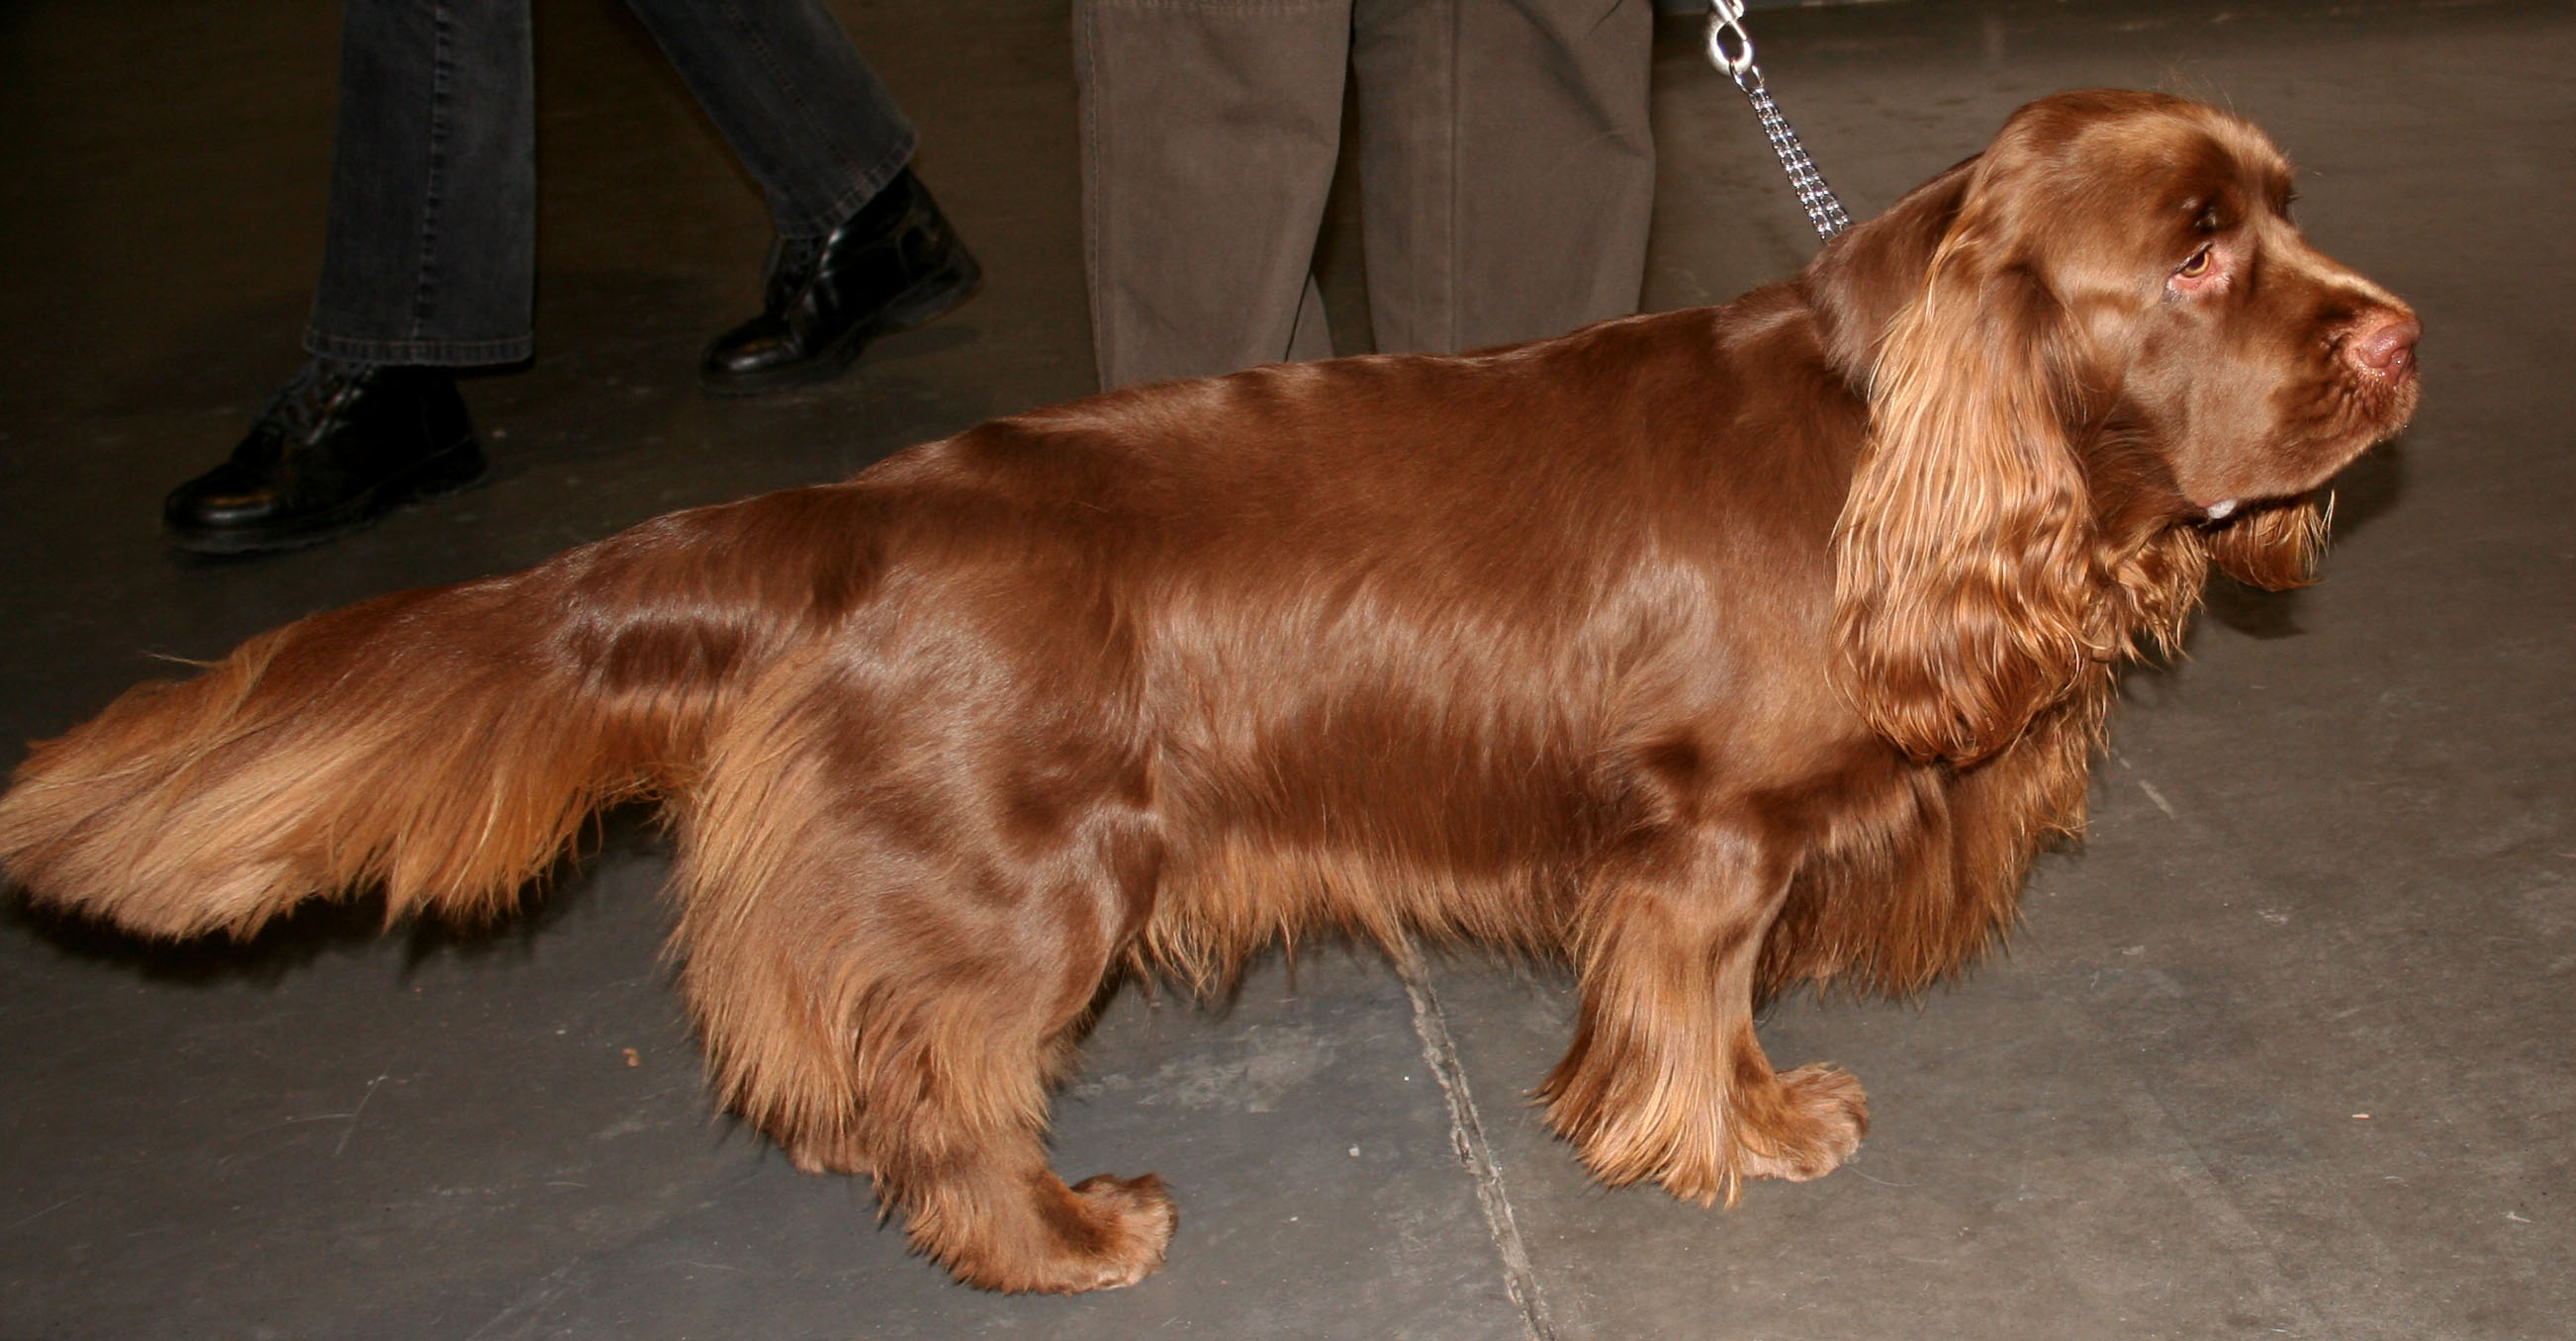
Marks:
<point>301,405</point>
<point>295,410</point>
<point>792,263</point>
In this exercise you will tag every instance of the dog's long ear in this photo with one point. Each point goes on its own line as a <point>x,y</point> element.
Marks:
<point>1872,271</point>
<point>2275,548</point>
<point>1964,556</point>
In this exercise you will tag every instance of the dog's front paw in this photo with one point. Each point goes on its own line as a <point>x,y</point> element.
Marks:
<point>1134,1218</point>
<point>1813,1124</point>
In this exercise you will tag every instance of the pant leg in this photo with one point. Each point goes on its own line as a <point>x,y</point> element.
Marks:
<point>1507,167</point>
<point>1209,130</point>
<point>430,251</point>
<point>793,98</point>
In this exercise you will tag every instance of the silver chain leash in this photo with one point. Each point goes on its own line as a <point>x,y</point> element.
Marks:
<point>1730,49</point>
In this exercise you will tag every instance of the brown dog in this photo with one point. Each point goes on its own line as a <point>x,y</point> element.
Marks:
<point>1710,650</point>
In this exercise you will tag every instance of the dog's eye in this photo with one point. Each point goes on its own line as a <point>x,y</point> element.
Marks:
<point>2197,266</point>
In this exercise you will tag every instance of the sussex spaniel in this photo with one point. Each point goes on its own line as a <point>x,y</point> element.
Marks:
<point>1712,651</point>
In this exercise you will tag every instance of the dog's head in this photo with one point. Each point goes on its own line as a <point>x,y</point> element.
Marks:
<point>2099,355</point>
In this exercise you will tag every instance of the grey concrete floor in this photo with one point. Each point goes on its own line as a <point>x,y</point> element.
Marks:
<point>2285,1050</point>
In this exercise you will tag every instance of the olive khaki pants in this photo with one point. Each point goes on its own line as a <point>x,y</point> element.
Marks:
<point>1506,172</point>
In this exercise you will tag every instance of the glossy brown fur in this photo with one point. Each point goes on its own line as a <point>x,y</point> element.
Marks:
<point>1712,651</point>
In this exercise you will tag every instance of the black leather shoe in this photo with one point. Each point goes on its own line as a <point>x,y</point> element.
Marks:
<point>339,446</point>
<point>894,265</point>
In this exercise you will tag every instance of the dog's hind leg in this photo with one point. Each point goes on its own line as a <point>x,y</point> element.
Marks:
<point>1665,1079</point>
<point>889,951</point>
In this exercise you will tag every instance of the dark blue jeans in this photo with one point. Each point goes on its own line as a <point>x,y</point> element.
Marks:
<point>431,252</point>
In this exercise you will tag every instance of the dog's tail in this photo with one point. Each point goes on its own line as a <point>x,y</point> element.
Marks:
<point>445,744</point>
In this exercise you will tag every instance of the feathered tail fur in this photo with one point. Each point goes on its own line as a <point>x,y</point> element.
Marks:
<point>444,745</point>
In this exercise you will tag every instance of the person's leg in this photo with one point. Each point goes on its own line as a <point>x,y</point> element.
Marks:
<point>862,249</point>
<point>427,265</point>
<point>1209,131</point>
<point>793,99</point>
<point>430,256</point>
<point>1507,169</point>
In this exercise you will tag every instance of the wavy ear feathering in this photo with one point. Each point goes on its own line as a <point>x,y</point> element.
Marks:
<point>1965,560</point>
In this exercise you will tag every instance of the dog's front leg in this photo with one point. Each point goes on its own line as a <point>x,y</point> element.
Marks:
<point>1665,1079</point>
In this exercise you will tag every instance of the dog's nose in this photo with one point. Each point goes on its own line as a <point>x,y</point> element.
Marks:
<point>2386,348</point>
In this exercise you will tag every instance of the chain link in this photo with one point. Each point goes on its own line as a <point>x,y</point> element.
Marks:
<point>1730,49</point>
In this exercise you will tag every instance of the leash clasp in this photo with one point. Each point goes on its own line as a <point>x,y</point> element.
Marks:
<point>1730,48</point>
